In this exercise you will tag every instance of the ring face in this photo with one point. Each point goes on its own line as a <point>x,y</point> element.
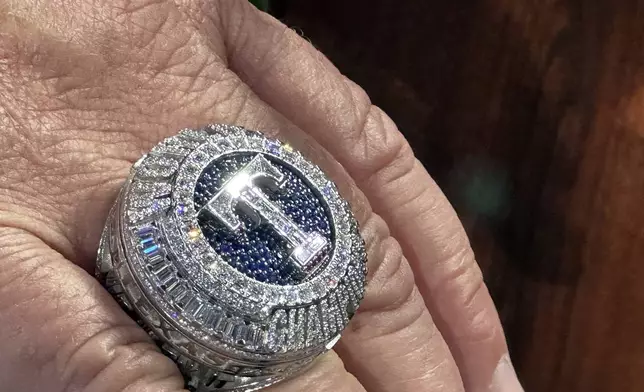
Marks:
<point>278,229</point>
<point>237,253</point>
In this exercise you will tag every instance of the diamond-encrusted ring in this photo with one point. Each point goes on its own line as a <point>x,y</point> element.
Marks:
<point>236,254</point>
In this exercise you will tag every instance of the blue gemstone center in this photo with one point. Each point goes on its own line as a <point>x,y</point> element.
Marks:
<point>257,250</point>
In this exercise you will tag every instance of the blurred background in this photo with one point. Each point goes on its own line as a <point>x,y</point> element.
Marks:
<point>530,115</point>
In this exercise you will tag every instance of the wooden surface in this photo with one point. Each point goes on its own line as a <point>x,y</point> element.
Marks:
<point>530,114</point>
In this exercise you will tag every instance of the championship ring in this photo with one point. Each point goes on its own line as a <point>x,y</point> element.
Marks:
<point>237,255</point>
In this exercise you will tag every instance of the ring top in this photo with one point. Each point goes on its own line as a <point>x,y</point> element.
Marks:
<point>242,244</point>
<point>265,241</point>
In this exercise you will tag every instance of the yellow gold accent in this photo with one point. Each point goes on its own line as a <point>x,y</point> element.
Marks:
<point>194,233</point>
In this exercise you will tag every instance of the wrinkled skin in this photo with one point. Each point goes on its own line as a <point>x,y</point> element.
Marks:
<point>87,86</point>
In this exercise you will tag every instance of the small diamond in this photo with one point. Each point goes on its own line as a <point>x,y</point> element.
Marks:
<point>184,184</point>
<point>181,209</point>
<point>273,147</point>
<point>199,157</point>
<point>194,233</point>
<point>327,190</point>
<point>145,230</point>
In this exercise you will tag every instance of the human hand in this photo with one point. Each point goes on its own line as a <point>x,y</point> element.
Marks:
<point>86,87</point>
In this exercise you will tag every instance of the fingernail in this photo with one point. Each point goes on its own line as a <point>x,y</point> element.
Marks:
<point>505,378</point>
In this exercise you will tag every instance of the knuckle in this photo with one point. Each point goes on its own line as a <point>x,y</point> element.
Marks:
<point>391,282</point>
<point>463,282</point>
<point>383,154</point>
<point>483,321</point>
<point>458,269</point>
<point>392,301</point>
<point>459,278</point>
